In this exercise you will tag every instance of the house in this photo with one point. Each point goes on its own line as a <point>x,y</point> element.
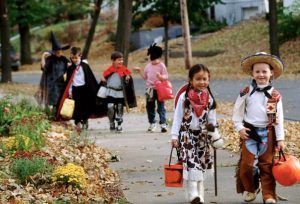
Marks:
<point>292,6</point>
<point>233,11</point>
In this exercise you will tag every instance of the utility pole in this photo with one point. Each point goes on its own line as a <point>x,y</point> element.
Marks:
<point>274,45</point>
<point>186,34</point>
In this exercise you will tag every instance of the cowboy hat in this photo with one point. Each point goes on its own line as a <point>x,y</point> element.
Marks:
<point>262,57</point>
<point>56,45</point>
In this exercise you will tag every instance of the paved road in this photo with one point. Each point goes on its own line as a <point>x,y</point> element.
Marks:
<point>143,156</point>
<point>224,90</point>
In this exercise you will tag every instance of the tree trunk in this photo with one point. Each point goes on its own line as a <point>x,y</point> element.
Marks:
<point>186,34</point>
<point>5,46</point>
<point>91,33</point>
<point>166,29</point>
<point>124,28</point>
<point>274,45</point>
<point>25,44</point>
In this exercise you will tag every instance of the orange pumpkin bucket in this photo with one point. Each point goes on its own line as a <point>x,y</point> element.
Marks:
<point>173,173</point>
<point>286,169</point>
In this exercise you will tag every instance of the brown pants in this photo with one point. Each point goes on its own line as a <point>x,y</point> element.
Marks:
<point>245,175</point>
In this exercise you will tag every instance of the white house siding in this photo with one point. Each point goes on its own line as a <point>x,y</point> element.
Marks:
<point>287,3</point>
<point>234,11</point>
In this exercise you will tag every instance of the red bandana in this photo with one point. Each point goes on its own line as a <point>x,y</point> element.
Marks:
<point>199,100</point>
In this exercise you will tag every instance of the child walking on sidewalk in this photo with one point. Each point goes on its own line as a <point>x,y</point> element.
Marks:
<point>258,117</point>
<point>155,70</point>
<point>194,115</point>
<point>116,76</point>
<point>82,87</point>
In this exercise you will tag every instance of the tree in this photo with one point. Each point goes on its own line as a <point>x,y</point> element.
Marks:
<point>26,13</point>
<point>170,12</point>
<point>186,34</point>
<point>124,28</point>
<point>89,39</point>
<point>274,44</point>
<point>5,46</point>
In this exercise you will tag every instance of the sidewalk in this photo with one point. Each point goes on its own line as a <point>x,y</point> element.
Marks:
<point>143,156</point>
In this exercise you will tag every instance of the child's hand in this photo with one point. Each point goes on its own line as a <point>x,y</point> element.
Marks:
<point>45,55</point>
<point>70,95</point>
<point>243,134</point>
<point>174,143</point>
<point>280,145</point>
<point>102,78</point>
<point>137,69</point>
<point>159,76</point>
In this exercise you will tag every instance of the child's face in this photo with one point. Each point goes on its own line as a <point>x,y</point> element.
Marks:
<point>58,53</point>
<point>75,58</point>
<point>200,80</point>
<point>262,73</point>
<point>118,62</point>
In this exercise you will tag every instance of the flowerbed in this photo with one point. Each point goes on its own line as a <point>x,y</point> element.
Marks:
<point>49,162</point>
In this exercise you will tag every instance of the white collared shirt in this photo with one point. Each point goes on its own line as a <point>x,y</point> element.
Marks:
<point>253,109</point>
<point>78,79</point>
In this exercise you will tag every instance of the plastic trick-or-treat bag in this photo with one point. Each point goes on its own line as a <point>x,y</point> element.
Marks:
<point>164,90</point>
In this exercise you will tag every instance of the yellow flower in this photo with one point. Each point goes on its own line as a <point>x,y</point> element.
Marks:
<point>12,143</point>
<point>70,174</point>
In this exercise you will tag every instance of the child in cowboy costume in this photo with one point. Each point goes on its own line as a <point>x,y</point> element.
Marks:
<point>258,117</point>
<point>194,121</point>
<point>154,70</point>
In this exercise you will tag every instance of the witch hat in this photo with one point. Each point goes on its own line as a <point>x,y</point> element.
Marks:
<point>56,45</point>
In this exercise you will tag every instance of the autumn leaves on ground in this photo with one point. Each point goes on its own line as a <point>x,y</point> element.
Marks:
<point>79,169</point>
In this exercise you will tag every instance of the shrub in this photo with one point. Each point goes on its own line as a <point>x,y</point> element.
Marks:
<point>5,115</point>
<point>70,174</point>
<point>18,142</point>
<point>22,168</point>
<point>23,119</point>
<point>288,23</point>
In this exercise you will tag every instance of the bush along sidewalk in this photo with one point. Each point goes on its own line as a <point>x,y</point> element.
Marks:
<point>50,162</point>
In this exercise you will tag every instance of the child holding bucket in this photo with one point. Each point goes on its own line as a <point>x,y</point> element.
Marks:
<point>258,117</point>
<point>193,126</point>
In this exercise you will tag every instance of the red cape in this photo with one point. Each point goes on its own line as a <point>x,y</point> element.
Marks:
<point>122,71</point>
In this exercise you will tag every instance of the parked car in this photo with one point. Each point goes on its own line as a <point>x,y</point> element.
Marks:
<point>14,59</point>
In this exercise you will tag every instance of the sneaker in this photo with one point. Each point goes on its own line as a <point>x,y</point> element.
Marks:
<point>119,129</point>
<point>112,127</point>
<point>152,127</point>
<point>270,200</point>
<point>248,196</point>
<point>85,126</point>
<point>163,128</point>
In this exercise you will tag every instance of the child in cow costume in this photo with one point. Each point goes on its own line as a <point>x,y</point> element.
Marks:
<point>258,117</point>
<point>194,131</point>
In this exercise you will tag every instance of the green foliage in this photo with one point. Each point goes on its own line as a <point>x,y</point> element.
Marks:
<point>170,10</point>
<point>288,23</point>
<point>22,168</point>
<point>5,115</point>
<point>23,120</point>
<point>36,12</point>
<point>211,26</point>
<point>32,12</point>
